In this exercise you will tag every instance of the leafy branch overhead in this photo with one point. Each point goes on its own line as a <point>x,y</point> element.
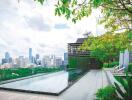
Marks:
<point>117,14</point>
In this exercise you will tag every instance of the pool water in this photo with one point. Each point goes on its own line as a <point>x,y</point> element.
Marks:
<point>50,83</point>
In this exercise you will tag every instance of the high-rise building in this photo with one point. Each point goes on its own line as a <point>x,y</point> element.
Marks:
<point>26,61</point>
<point>3,61</point>
<point>16,62</point>
<point>30,56</point>
<point>66,58</point>
<point>7,58</point>
<point>53,60</point>
<point>21,61</point>
<point>46,61</point>
<point>58,62</point>
<point>7,55</point>
<point>37,56</point>
<point>43,63</point>
<point>37,60</point>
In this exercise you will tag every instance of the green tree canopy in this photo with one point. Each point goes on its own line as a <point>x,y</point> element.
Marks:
<point>117,14</point>
<point>107,47</point>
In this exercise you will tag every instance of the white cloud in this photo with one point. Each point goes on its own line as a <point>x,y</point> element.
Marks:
<point>28,24</point>
<point>38,23</point>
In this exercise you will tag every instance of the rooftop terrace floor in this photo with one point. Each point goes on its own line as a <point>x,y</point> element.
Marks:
<point>83,89</point>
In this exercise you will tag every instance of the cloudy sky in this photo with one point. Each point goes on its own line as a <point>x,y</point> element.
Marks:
<point>27,24</point>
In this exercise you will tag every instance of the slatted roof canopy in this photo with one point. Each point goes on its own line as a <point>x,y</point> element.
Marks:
<point>80,40</point>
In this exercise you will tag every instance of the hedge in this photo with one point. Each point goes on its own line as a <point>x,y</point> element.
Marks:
<point>110,65</point>
<point>12,73</point>
<point>107,93</point>
<point>130,68</point>
<point>84,62</point>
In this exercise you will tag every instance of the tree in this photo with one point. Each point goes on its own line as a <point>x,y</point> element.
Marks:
<point>117,14</point>
<point>107,47</point>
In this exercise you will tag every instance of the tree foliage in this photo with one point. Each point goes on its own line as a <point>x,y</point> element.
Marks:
<point>107,47</point>
<point>117,14</point>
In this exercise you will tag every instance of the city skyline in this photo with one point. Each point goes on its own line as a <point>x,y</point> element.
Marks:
<point>33,60</point>
<point>28,24</point>
<point>30,53</point>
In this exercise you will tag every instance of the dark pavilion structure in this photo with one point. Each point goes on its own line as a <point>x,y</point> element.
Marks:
<point>81,59</point>
<point>74,48</point>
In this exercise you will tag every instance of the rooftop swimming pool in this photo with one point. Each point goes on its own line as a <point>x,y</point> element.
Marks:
<point>53,83</point>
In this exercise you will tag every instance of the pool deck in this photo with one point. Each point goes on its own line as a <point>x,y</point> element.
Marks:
<point>84,89</point>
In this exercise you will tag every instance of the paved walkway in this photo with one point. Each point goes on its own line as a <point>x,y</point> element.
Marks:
<point>84,89</point>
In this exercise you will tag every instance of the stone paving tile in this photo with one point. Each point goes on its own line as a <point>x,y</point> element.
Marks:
<point>11,95</point>
<point>87,86</point>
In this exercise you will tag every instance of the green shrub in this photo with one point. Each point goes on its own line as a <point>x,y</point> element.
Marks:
<point>105,65</point>
<point>126,82</point>
<point>12,73</point>
<point>110,65</point>
<point>84,62</point>
<point>130,68</point>
<point>107,93</point>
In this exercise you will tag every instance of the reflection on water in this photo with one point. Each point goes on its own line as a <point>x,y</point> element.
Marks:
<point>52,83</point>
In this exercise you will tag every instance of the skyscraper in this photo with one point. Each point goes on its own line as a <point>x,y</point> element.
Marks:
<point>65,58</point>
<point>58,61</point>
<point>37,60</point>
<point>53,60</point>
<point>37,56</point>
<point>3,61</point>
<point>30,55</point>
<point>21,61</point>
<point>46,61</point>
<point>7,55</point>
<point>7,58</point>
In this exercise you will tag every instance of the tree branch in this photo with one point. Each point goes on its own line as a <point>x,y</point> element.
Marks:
<point>123,4</point>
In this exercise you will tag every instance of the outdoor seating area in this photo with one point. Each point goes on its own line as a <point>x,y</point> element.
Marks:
<point>124,60</point>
